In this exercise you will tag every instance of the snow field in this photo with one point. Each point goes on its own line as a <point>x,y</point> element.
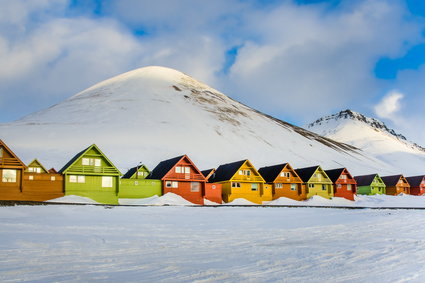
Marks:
<point>209,244</point>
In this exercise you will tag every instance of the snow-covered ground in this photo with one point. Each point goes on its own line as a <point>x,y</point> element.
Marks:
<point>208,244</point>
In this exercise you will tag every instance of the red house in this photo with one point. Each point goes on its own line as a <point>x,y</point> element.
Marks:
<point>180,176</point>
<point>417,185</point>
<point>345,186</point>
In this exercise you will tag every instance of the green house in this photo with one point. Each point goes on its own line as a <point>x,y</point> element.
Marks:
<point>134,185</point>
<point>91,174</point>
<point>36,167</point>
<point>316,181</point>
<point>370,185</point>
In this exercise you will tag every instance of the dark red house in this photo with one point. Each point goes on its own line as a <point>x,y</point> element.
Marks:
<point>180,176</point>
<point>345,186</point>
<point>417,185</point>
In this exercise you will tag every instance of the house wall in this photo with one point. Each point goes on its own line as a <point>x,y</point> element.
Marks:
<point>184,190</point>
<point>398,189</point>
<point>418,190</point>
<point>213,192</point>
<point>42,187</point>
<point>92,188</point>
<point>317,189</point>
<point>285,191</point>
<point>139,188</point>
<point>11,191</point>
<point>245,191</point>
<point>341,187</point>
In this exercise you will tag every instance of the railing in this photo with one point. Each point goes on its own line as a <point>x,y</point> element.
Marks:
<point>185,176</point>
<point>92,169</point>
<point>9,161</point>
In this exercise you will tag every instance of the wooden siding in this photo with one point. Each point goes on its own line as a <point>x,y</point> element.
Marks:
<point>139,188</point>
<point>342,185</point>
<point>319,184</point>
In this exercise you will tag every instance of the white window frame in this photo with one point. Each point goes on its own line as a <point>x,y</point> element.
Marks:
<point>13,176</point>
<point>97,162</point>
<point>168,184</point>
<point>174,184</point>
<point>195,186</point>
<point>178,169</point>
<point>85,161</point>
<point>348,187</point>
<point>324,187</point>
<point>187,170</point>
<point>240,172</point>
<point>72,178</point>
<point>343,177</point>
<point>31,177</point>
<point>293,187</point>
<point>338,186</point>
<point>279,186</point>
<point>236,185</point>
<point>254,187</point>
<point>52,178</point>
<point>81,179</point>
<point>310,185</point>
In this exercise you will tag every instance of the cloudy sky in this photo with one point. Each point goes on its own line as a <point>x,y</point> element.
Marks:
<point>296,59</point>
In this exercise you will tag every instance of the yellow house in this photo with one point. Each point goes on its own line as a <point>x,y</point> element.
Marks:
<point>316,182</point>
<point>241,180</point>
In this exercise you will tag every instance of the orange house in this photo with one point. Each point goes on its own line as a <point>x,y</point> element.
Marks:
<point>11,174</point>
<point>396,184</point>
<point>180,176</point>
<point>40,184</point>
<point>284,180</point>
<point>345,186</point>
<point>417,185</point>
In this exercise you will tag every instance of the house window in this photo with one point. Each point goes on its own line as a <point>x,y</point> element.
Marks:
<point>72,179</point>
<point>9,176</point>
<point>285,174</point>
<point>52,178</point>
<point>175,184</point>
<point>195,186</point>
<point>240,172</point>
<point>236,185</point>
<point>187,170</point>
<point>142,174</point>
<point>31,178</point>
<point>293,187</point>
<point>339,186</point>
<point>136,183</point>
<point>323,187</point>
<point>97,162</point>
<point>254,187</point>
<point>168,184</point>
<point>349,187</point>
<point>247,172</point>
<point>91,161</point>
<point>279,185</point>
<point>1,152</point>
<point>106,182</point>
<point>311,185</point>
<point>178,169</point>
<point>343,177</point>
<point>81,179</point>
<point>86,161</point>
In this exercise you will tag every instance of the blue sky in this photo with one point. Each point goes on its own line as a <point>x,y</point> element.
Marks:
<point>297,60</point>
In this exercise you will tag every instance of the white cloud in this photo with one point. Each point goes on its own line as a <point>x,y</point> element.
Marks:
<point>389,106</point>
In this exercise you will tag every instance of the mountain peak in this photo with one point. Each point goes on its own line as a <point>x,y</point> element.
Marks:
<point>355,116</point>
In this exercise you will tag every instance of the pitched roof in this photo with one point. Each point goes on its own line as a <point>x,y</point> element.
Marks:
<point>306,173</point>
<point>12,153</point>
<point>70,162</point>
<point>207,172</point>
<point>270,173</point>
<point>365,180</point>
<point>334,174</point>
<point>391,180</point>
<point>130,173</point>
<point>415,181</point>
<point>226,171</point>
<point>163,168</point>
<point>38,163</point>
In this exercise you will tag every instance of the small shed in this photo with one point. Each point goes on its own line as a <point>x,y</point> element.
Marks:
<point>134,184</point>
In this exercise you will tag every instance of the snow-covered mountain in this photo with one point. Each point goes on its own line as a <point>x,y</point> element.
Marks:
<point>154,113</point>
<point>374,138</point>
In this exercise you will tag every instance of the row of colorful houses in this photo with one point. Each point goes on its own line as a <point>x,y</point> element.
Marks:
<point>91,174</point>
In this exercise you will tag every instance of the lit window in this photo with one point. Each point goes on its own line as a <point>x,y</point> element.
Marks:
<point>81,179</point>
<point>86,161</point>
<point>30,169</point>
<point>52,178</point>
<point>72,179</point>
<point>254,187</point>
<point>343,177</point>
<point>279,185</point>
<point>293,187</point>
<point>240,172</point>
<point>195,186</point>
<point>9,176</point>
<point>97,162</point>
<point>31,177</point>
<point>106,182</point>
<point>187,170</point>
<point>175,184</point>
<point>38,170</point>
<point>178,169</point>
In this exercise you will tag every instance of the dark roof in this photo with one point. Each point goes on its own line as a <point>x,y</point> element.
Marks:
<point>130,172</point>
<point>415,181</point>
<point>207,172</point>
<point>364,180</point>
<point>306,173</point>
<point>73,160</point>
<point>53,171</point>
<point>226,171</point>
<point>163,168</point>
<point>270,173</point>
<point>334,174</point>
<point>391,180</point>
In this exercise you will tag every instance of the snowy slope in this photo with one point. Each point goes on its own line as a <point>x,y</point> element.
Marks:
<point>374,138</point>
<point>154,113</point>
